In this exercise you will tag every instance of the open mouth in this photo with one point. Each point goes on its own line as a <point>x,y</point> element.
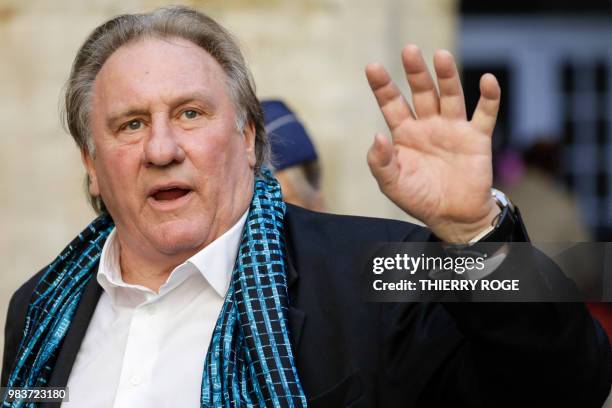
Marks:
<point>169,194</point>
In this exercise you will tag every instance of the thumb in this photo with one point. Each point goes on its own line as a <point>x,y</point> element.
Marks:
<point>382,161</point>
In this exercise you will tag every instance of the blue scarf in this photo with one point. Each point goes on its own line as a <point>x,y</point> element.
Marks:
<point>249,361</point>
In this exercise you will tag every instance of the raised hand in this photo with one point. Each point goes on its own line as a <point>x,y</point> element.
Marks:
<point>437,167</point>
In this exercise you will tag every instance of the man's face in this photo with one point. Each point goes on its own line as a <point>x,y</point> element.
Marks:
<point>169,163</point>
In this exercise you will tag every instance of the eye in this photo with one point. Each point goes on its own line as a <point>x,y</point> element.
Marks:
<point>133,124</point>
<point>190,114</point>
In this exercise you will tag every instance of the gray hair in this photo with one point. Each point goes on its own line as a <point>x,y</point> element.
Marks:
<point>167,22</point>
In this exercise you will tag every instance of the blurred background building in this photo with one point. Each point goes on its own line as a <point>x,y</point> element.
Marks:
<point>554,62</point>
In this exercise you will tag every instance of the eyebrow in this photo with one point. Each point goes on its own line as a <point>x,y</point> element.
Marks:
<point>208,103</point>
<point>111,122</point>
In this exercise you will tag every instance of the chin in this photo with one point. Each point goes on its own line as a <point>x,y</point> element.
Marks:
<point>180,236</point>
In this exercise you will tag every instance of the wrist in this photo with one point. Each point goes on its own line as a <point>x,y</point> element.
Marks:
<point>462,232</point>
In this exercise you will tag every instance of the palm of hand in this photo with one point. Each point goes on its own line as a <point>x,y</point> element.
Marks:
<point>438,166</point>
<point>444,171</point>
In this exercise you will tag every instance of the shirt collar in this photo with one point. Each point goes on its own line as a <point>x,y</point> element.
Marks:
<point>215,262</point>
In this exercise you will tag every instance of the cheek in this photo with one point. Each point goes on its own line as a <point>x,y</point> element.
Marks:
<point>220,153</point>
<point>222,167</point>
<point>238,161</point>
<point>117,170</point>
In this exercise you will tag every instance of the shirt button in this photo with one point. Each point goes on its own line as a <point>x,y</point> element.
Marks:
<point>151,310</point>
<point>135,380</point>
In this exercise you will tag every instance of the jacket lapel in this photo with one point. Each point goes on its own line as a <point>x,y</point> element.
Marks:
<point>297,317</point>
<point>74,337</point>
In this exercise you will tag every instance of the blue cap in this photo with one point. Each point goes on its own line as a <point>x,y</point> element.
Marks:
<point>289,140</point>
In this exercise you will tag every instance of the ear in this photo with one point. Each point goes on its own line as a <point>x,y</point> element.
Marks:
<point>249,143</point>
<point>88,162</point>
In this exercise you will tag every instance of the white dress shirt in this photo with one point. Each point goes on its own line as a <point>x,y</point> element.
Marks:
<point>147,349</point>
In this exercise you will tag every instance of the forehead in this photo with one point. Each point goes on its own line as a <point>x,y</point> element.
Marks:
<point>153,69</point>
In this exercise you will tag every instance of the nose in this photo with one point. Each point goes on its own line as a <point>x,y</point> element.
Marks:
<point>161,147</point>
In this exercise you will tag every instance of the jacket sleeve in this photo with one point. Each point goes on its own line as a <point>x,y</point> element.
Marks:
<point>532,354</point>
<point>542,354</point>
<point>15,321</point>
<point>10,343</point>
<point>525,354</point>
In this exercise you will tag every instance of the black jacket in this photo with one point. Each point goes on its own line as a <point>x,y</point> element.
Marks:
<point>351,353</point>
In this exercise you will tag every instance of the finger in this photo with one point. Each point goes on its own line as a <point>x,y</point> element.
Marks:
<point>424,94</point>
<point>382,161</point>
<point>485,114</point>
<point>392,104</point>
<point>452,101</point>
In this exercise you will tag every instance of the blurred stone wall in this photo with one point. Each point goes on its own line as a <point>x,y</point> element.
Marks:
<point>311,53</point>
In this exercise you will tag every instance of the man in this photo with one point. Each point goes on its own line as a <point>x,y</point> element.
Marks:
<point>198,286</point>
<point>294,158</point>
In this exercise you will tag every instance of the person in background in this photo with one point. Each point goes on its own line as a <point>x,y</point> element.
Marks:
<point>294,157</point>
<point>530,178</point>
